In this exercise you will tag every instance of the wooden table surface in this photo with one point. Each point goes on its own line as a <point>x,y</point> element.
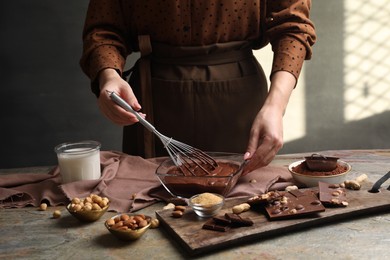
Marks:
<point>27,233</point>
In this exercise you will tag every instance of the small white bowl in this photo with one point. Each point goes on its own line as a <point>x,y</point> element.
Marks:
<point>206,210</point>
<point>312,180</point>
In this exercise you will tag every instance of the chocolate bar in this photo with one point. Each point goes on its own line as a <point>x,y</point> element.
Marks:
<point>332,195</point>
<point>224,223</point>
<point>294,203</point>
<point>264,198</point>
<point>212,225</point>
<point>237,220</point>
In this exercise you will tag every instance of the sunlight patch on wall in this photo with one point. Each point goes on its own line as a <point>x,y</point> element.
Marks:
<point>367,58</point>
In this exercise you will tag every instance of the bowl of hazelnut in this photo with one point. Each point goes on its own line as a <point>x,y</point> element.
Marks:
<point>128,226</point>
<point>88,209</point>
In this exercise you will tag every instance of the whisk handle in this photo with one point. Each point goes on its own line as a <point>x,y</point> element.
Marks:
<point>117,99</point>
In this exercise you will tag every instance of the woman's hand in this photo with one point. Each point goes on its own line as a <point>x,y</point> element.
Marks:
<point>266,136</point>
<point>110,80</point>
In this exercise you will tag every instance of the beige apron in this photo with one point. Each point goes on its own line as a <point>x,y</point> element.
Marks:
<point>204,96</point>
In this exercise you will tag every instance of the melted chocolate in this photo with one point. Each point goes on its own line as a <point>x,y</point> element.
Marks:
<point>223,169</point>
<point>220,180</point>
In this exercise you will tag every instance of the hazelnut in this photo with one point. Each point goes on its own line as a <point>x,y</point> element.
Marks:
<point>56,214</point>
<point>154,223</point>
<point>43,207</point>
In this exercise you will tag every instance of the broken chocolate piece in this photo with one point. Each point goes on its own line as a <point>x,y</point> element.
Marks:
<point>331,195</point>
<point>294,203</point>
<point>211,225</point>
<point>222,220</point>
<point>237,220</point>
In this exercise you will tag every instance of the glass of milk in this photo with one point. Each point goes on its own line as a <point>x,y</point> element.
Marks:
<point>79,160</point>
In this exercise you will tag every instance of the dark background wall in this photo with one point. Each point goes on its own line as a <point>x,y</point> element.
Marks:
<point>45,98</point>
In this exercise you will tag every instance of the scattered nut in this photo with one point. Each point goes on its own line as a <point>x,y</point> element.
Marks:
<point>361,178</point>
<point>290,188</point>
<point>352,185</point>
<point>181,208</point>
<point>177,213</point>
<point>154,223</point>
<point>356,183</point>
<point>169,206</point>
<point>252,181</point>
<point>56,214</point>
<point>43,207</point>
<point>241,208</point>
<point>133,196</point>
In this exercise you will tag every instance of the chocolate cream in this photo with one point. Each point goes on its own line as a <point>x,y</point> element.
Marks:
<point>219,180</point>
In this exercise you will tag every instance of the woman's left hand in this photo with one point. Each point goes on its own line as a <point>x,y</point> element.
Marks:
<point>266,139</point>
<point>266,136</point>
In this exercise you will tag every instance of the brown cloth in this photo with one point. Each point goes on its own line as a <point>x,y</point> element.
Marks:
<point>128,181</point>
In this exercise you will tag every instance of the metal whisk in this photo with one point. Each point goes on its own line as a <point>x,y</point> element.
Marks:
<point>183,155</point>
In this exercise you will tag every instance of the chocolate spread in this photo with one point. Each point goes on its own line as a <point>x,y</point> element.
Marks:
<point>223,169</point>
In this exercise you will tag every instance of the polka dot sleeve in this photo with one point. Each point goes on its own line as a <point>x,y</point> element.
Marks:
<point>104,45</point>
<point>291,34</point>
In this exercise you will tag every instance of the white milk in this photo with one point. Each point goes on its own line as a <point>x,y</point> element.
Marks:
<point>79,163</point>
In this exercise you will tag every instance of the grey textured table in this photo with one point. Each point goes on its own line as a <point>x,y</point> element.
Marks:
<point>27,233</point>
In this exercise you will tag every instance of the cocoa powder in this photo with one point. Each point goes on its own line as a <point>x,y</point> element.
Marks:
<point>303,169</point>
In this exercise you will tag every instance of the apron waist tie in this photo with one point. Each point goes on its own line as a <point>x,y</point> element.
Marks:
<point>206,59</point>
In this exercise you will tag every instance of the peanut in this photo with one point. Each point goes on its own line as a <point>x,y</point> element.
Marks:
<point>352,185</point>
<point>361,178</point>
<point>241,208</point>
<point>356,183</point>
<point>169,206</point>
<point>292,187</point>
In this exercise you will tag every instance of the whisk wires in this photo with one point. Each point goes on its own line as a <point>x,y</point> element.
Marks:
<point>184,156</point>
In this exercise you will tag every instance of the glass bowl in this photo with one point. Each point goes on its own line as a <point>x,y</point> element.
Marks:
<point>184,186</point>
<point>206,209</point>
<point>311,180</point>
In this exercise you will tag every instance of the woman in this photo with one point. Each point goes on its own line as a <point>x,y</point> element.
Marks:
<point>197,79</point>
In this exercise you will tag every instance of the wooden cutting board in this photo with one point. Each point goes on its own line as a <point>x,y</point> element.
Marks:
<point>188,231</point>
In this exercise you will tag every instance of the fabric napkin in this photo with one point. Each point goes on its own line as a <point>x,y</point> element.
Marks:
<point>128,181</point>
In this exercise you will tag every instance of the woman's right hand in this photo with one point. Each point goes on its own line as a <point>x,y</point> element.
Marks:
<point>110,80</point>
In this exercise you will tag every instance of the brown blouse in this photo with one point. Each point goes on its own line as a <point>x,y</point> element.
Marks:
<point>112,26</point>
